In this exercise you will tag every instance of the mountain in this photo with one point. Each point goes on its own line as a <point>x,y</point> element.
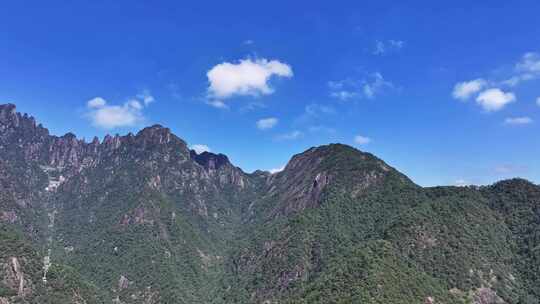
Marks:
<point>141,218</point>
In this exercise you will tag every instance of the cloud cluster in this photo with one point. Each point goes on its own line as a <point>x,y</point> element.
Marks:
<point>106,116</point>
<point>491,95</point>
<point>490,99</point>
<point>527,68</point>
<point>267,123</point>
<point>244,78</point>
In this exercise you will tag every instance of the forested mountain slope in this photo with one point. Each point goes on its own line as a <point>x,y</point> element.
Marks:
<point>142,219</point>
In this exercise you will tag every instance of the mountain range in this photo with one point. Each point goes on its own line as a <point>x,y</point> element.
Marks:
<point>141,218</point>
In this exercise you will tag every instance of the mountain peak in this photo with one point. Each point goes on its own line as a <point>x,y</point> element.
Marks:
<point>209,160</point>
<point>310,174</point>
<point>7,108</point>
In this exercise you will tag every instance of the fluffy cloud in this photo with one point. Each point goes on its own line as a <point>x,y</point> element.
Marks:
<point>361,140</point>
<point>128,114</point>
<point>518,120</point>
<point>246,77</point>
<point>494,99</point>
<point>291,135</point>
<point>267,123</point>
<point>466,89</point>
<point>96,102</point>
<point>199,148</point>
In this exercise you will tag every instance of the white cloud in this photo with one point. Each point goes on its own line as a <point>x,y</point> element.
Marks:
<point>199,148</point>
<point>290,136</point>
<point>247,77</point>
<point>315,114</point>
<point>315,110</point>
<point>494,99</point>
<point>267,123</point>
<point>343,89</point>
<point>466,89</point>
<point>96,102</point>
<point>146,97</point>
<point>530,63</point>
<point>276,170</point>
<point>461,183</point>
<point>105,116</point>
<point>135,104</point>
<point>527,68</point>
<point>217,104</point>
<point>379,48</point>
<point>398,44</point>
<point>382,47</point>
<point>376,85</point>
<point>343,95</point>
<point>110,117</point>
<point>362,140</point>
<point>518,120</point>
<point>369,87</point>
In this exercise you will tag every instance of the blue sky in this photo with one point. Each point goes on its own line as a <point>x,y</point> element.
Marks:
<point>445,92</point>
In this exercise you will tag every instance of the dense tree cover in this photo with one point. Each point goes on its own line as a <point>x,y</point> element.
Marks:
<point>141,219</point>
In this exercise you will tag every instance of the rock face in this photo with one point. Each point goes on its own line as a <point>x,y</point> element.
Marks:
<point>13,277</point>
<point>141,218</point>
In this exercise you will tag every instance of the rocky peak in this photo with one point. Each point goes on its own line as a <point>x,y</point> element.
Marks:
<point>157,136</point>
<point>219,167</point>
<point>7,113</point>
<point>11,121</point>
<point>307,175</point>
<point>210,161</point>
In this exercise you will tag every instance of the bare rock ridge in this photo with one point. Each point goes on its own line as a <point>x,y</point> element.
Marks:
<point>34,143</point>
